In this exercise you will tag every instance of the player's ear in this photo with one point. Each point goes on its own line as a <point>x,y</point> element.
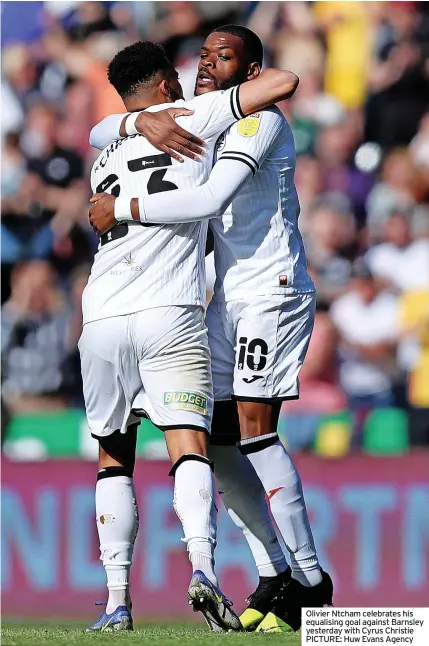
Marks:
<point>165,89</point>
<point>253,71</point>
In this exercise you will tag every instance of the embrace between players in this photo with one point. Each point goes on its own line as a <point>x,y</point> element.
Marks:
<point>213,382</point>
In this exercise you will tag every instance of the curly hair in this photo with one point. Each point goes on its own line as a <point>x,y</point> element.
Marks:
<point>136,65</point>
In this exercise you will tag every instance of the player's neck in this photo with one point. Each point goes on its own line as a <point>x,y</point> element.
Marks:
<point>144,100</point>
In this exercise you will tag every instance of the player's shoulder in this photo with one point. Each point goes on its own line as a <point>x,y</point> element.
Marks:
<point>260,123</point>
<point>180,103</point>
<point>204,101</point>
<point>108,154</point>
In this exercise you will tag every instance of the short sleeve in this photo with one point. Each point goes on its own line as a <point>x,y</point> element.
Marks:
<point>214,112</point>
<point>251,139</point>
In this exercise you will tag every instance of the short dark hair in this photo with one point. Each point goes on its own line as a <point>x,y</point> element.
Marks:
<point>136,65</point>
<point>252,43</point>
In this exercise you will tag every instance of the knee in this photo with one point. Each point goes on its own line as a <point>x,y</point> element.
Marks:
<point>258,418</point>
<point>119,450</point>
<point>255,419</point>
<point>182,442</point>
<point>190,458</point>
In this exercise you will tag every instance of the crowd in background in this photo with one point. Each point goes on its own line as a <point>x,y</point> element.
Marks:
<point>360,119</point>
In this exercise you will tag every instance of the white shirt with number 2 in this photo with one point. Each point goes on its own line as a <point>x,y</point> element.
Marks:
<point>139,267</point>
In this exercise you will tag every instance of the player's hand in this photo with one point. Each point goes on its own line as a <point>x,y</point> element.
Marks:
<point>102,212</point>
<point>162,131</point>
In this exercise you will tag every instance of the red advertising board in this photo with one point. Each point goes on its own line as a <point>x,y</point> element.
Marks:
<point>370,518</point>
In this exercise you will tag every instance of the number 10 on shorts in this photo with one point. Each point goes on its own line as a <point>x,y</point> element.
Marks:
<point>253,352</point>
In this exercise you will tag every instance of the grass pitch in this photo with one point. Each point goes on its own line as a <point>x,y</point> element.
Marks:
<point>153,634</point>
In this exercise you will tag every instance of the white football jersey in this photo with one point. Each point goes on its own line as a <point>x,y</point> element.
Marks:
<point>258,246</point>
<point>139,267</point>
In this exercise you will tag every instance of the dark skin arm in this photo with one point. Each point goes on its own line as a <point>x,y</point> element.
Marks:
<point>271,86</point>
<point>102,212</point>
<point>162,131</point>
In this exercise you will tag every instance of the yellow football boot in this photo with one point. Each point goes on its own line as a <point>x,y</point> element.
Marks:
<point>273,624</point>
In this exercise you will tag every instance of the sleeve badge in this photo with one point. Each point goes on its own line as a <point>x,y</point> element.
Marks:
<point>249,126</point>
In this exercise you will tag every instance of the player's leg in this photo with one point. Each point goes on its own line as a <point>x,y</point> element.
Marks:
<point>244,498</point>
<point>272,343</point>
<point>194,495</point>
<point>241,489</point>
<point>117,513</point>
<point>102,347</point>
<point>175,371</point>
<point>243,494</point>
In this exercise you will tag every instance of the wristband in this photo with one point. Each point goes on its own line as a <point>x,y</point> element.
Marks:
<point>123,209</point>
<point>130,124</point>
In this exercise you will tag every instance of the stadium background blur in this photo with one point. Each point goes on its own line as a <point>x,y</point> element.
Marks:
<point>360,431</point>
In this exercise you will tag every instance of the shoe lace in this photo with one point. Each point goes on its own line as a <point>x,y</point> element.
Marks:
<point>260,593</point>
<point>227,602</point>
<point>101,603</point>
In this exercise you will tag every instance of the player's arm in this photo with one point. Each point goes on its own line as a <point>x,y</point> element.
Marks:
<point>160,129</point>
<point>238,162</point>
<point>240,159</point>
<point>201,203</point>
<point>216,111</point>
<point>271,86</point>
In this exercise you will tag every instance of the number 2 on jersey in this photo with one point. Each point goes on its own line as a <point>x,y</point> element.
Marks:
<point>156,182</point>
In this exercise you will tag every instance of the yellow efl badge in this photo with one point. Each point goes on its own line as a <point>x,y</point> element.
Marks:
<point>249,126</point>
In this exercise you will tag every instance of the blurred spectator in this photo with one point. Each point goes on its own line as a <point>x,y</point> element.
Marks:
<point>87,63</point>
<point>346,26</point>
<point>335,147</point>
<point>367,321</point>
<point>43,206</point>
<point>309,184</point>
<point>320,393</point>
<point>396,189</point>
<point>89,18</point>
<point>71,368</point>
<point>12,113</point>
<point>399,75</point>
<point>414,326</point>
<point>297,45</point>
<point>13,166</point>
<point>401,262</point>
<point>419,147</point>
<point>183,26</point>
<point>329,242</point>
<point>319,389</point>
<point>33,337</point>
<point>20,72</point>
<point>53,164</point>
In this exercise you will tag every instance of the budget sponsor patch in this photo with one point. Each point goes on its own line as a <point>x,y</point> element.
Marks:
<point>186,400</point>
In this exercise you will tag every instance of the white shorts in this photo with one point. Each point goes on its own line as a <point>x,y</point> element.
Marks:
<point>154,363</point>
<point>257,349</point>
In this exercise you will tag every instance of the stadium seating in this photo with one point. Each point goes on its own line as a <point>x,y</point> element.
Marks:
<point>386,432</point>
<point>333,436</point>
